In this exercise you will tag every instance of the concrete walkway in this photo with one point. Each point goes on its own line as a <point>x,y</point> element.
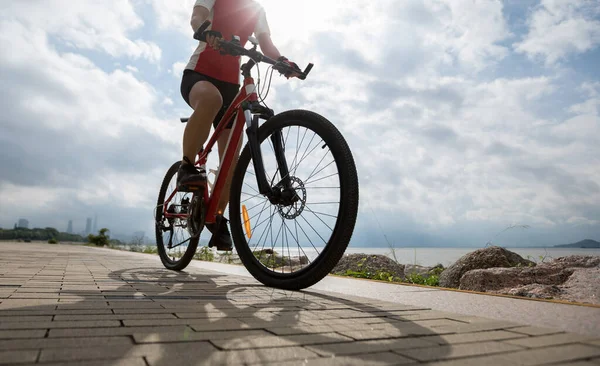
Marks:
<point>63,304</point>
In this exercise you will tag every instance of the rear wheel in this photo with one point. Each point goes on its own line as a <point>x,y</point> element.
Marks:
<point>176,245</point>
<point>293,245</point>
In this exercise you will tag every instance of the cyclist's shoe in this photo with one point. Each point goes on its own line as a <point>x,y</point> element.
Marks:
<point>189,178</point>
<point>221,238</point>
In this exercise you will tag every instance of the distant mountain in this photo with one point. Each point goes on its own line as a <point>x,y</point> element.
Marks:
<point>587,243</point>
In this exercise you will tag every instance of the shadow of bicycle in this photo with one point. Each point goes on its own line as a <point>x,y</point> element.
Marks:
<point>155,316</point>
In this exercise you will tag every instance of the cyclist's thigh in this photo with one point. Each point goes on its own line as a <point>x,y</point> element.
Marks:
<point>205,95</point>
<point>199,90</point>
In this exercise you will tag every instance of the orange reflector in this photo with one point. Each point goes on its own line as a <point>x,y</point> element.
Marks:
<point>246,221</point>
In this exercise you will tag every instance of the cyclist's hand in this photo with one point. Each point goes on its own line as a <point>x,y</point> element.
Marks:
<point>213,41</point>
<point>290,74</point>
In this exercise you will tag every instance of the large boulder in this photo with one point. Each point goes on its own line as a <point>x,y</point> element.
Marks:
<point>371,263</point>
<point>494,279</point>
<point>573,278</point>
<point>491,257</point>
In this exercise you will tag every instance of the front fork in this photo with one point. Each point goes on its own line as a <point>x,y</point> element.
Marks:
<point>277,139</point>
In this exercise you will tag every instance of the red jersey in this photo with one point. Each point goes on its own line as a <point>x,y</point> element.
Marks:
<point>230,17</point>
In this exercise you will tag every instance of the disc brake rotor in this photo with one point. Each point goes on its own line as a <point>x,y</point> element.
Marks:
<point>294,210</point>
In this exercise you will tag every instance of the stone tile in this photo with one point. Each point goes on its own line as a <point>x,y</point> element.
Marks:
<point>156,351</point>
<point>369,346</point>
<point>376,359</point>
<point>253,356</point>
<point>14,334</point>
<point>548,340</point>
<point>60,324</point>
<point>128,361</point>
<point>34,318</point>
<point>494,335</point>
<point>557,355</point>
<point>477,327</point>
<point>52,312</point>
<point>14,357</point>
<point>594,342</point>
<point>456,351</point>
<point>321,338</point>
<point>198,322</point>
<point>535,331</point>
<point>388,332</point>
<point>114,331</point>
<point>308,329</point>
<point>189,336</point>
<point>112,317</point>
<point>63,342</point>
<point>251,342</point>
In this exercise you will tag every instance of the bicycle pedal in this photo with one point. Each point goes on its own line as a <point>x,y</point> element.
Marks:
<point>189,188</point>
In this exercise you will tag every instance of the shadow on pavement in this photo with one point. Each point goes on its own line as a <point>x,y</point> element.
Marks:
<point>154,316</point>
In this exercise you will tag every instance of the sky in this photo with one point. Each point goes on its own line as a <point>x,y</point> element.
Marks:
<point>464,117</point>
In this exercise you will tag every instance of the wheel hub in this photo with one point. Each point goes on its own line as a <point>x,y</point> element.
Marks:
<point>292,201</point>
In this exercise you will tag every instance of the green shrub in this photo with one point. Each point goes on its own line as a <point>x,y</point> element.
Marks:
<point>101,239</point>
<point>417,279</point>
<point>269,258</point>
<point>53,241</point>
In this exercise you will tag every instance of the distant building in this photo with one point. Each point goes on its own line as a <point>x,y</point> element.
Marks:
<point>96,223</point>
<point>70,227</point>
<point>88,226</point>
<point>23,223</point>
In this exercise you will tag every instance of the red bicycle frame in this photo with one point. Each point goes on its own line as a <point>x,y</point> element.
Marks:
<point>246,93</point>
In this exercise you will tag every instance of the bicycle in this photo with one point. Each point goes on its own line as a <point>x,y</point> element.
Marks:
<point>276,187</point>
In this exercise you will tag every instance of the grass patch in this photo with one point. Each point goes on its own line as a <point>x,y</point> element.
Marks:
<point>432,280</point>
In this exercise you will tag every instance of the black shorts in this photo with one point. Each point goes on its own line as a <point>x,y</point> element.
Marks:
<point>228,91</point>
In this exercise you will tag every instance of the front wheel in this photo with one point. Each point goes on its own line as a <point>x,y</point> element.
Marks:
<point>294,244</point>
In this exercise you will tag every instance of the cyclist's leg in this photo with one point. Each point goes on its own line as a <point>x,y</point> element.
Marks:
<point>206,101</point>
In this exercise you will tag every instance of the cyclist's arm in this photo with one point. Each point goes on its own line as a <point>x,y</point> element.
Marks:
<point>267,47</point>
<point>201,12</point>
<point>263,34</point>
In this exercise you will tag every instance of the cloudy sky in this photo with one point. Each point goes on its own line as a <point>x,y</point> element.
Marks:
<point>464,117</point>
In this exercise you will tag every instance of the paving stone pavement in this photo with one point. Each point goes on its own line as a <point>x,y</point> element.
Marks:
<point>66,305</point>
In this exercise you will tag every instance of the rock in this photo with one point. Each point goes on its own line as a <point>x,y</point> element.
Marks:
<point>582,286</point>
<point>494,279</point>
<point>536,291</point>
<point>572,278</point>
<point>491,257</point>
<point>372,263</point>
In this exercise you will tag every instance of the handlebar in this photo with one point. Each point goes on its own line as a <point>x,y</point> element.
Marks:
<point>234,48</point>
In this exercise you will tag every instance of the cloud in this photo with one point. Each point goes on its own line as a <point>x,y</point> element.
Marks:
<point>80,136</point>
<point>101,26</point>
<point>453,134</point>
<point>558,29</point>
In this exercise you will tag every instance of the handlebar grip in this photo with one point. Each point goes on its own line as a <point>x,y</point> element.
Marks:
<point>199,33</point>
<point>306,71</point>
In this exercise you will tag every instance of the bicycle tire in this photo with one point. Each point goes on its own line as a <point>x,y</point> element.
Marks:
<point>187,257</point>
<point>348,208</point>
